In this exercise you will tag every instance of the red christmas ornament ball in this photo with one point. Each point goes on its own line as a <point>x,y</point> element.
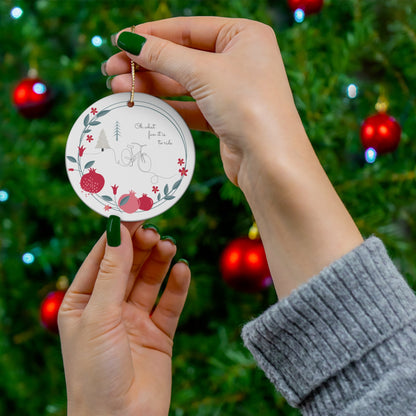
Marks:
<point>49,310</point>
<point>244,265</point>
<point>32,98</point>
<point>308,6</point>
<point>381,132</point>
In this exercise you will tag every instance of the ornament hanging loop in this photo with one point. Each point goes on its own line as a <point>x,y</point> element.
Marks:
<point>253,233</point>
<point>130,103</point>
<point>382,104</point>
<point>133,75</point>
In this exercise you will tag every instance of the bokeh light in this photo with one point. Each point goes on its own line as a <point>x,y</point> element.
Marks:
<point>4,195</point>
<point>370,155</point>
<point>299,15</point>
<point>39,88</point>
<point>16,12</point>
<point>97,41</point>
<point>352,91</point>
<point>28,258</point>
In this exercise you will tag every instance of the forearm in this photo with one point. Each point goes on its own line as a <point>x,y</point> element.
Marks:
<point>303,223</point>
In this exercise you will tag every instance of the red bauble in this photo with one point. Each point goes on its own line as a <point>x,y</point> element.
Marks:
<point>244,266</point>
<point>308,6</point>
<point>32,98</point>
<point>381,132</point>
<point>49,310</point>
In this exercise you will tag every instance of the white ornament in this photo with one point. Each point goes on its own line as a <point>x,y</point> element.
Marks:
<point>132,161</point>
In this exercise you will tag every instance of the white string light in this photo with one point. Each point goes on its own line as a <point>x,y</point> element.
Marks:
<point>4,195</point>
<point>16,13</point>
<point>352,91</point>
<point>28,258</point>
<point>97,41</point>
<point>299,15</point>
<point>370,155</point>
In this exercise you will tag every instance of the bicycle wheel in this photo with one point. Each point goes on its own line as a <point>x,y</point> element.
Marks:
<point>144,163</point>
<point>126,157</point>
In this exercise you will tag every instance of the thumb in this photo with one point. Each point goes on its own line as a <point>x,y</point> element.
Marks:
<point>110,286</point>
<point>180,63</point>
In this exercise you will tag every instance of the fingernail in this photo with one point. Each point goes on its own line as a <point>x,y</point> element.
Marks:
<point>131,42</point>
<point>108,82</point>
<point>150,227</point>
<point>169,238</point>
<point>104,69</point>
<point>114,39</point>
<point>113,231</point>
<point>184,261</point>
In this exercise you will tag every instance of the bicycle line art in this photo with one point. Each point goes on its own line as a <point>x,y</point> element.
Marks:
<point>128,157</point>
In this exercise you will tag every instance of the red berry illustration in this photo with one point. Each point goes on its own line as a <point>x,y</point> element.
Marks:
<point>92,182</point>
<point>145,203</point>
<point>128,202</point>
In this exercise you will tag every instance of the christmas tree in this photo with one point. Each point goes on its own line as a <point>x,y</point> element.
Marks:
<point>341,60</point>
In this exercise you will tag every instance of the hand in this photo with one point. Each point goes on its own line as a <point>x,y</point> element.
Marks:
<point>234,70</point>
<point>117,352</point>
<point>231,67</point>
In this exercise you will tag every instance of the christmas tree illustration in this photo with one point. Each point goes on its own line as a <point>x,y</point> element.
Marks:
<point>102,142</point>
<point>117,132</point>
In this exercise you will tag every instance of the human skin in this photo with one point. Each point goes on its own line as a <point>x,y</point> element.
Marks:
<point>234,71</point>
<point>117,348</point>
<point>117,354</point>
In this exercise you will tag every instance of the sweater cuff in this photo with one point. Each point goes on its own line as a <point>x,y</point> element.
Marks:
<point>330,323</point>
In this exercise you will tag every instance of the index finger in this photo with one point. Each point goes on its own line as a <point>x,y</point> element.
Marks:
<point>198,32</point>
<point>84,280</point>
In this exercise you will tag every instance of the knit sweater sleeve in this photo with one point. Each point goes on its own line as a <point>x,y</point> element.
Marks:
<point>345,342</point>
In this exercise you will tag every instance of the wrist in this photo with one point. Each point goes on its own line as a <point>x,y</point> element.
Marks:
<point>275,150</point>
<point>77,405</point>
<point>303,224</point>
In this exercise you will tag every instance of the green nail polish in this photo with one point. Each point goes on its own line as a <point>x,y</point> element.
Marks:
<point>104,69</point>
<point>113,231</point>
<point>131,42</point>
<point>108,82</point>
<point>168,237</point>
<point>184,261</point>
<point>150,227</point>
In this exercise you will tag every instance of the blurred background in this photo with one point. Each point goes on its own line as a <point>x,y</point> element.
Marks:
<point>343,58</point>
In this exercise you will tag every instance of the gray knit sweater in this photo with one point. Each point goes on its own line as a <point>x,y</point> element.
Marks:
<point>345,342</point>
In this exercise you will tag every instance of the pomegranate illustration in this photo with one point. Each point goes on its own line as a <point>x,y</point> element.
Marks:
<point>128,202</point>
<point>92,182</point>
<point>145,203</point>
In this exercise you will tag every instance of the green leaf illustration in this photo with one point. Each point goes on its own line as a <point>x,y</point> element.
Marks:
<point>103,113</point>
<point>124,200</point>
<point>89,164</point>
<point>107,198</point>
<point>86,120</point>
<point>158,197</point>
<point>166,190</point>
<point>176,184</point>
<point>168,197</point>
<point>95,123</point>
<point>87,131</point>
<point>71,159</point>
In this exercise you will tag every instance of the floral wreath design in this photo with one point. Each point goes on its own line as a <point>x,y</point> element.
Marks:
<point>94,184</point>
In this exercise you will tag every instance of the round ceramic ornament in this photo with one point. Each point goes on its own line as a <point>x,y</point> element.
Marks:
<point>133,159</point>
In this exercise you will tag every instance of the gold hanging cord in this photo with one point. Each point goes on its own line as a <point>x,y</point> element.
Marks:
<point>133,74</point>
